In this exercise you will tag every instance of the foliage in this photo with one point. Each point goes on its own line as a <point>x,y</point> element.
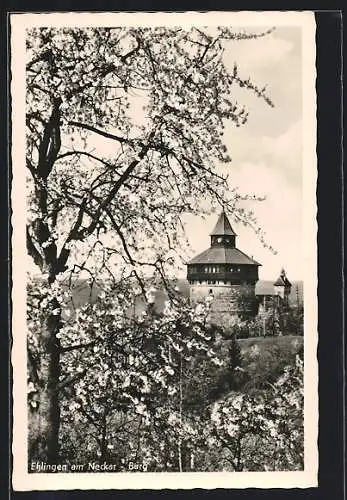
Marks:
<point>263,430</point>
<point>275,321</point>
<point>124,134</point>
<point>266,358</point>
<point>147,390</point>
<point>118,372</point>
<point>295,320</point>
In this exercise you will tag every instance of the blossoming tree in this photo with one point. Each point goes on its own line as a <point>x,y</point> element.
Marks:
<point>124,133</point>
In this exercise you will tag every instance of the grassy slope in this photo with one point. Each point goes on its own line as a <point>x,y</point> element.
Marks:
<point>265,358</point>
<point>262,363</point>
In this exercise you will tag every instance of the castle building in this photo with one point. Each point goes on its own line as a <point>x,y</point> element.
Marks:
<point>275,295</point>
<point>226,274</point>
<point>282,287</point>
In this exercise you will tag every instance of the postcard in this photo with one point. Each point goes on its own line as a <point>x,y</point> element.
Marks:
<point>164,250</point>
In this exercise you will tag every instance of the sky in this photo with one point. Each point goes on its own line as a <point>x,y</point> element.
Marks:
<point>267,154</point>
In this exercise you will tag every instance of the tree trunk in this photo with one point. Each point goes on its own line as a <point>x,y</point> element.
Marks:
<point>103,444</point>
<point>180,467</point>
<point>238,464</point>
<point>42,248</point>
<point>44,445</point>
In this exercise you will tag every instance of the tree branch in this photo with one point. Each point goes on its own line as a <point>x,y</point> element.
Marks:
<point>51,142</point>
<point>84,153</point>
<point>75,347</point>
<point>32,250</point>
<point>71,380</point>
<point>125,247</point>
<point>34,371</point>
<point>121,140</point>
<point>83,233</point>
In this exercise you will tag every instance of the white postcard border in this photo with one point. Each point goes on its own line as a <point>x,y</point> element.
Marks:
<point>22,480</point>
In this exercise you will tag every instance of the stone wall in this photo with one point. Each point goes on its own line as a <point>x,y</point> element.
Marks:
<point>228,301</point>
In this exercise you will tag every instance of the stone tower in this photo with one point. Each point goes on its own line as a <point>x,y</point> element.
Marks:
<point>226,274</point>
<point>282,287</point>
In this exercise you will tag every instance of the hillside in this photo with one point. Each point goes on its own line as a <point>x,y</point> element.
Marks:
<point>82,292</point>
<point>261,362</point>
<point>264,358</point>
<point>262,287</point>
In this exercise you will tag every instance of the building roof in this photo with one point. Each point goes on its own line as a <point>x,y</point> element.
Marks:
<point>263,287</point>
<point>223,255</point>
<point>282,281</point>
<point>223,226</point>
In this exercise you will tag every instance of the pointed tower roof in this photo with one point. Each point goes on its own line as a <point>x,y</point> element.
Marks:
<point>223,227</point>
<point>282,280</point>
<point>223,253</point>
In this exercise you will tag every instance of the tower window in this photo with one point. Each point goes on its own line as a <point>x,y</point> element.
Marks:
<point>219,240</point>
<point>210,291</point>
